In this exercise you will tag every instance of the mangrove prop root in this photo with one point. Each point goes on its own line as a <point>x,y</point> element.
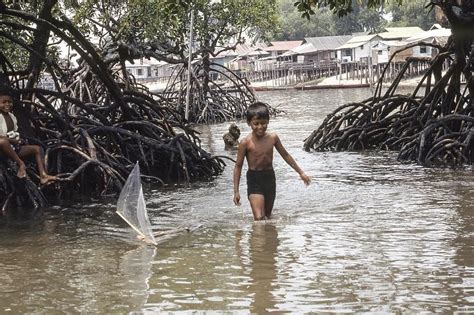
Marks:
<point>93,143</point>
<point>434,126</point>
<point>211,101</point>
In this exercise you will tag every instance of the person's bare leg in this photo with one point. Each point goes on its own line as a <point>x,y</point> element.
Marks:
<point>6,149</point>
<point>35,150</point>
<point>257,202</point>
<point>269,207</point>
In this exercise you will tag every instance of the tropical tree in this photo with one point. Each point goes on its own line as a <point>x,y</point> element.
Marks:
<point>360,19</point>
<point>98,121</point>
<point>323,22</point>
<point>292,27</point>
<point>411,13</point>
<point>160,30</point>
<point>220,26</point>
<point>435,128</point>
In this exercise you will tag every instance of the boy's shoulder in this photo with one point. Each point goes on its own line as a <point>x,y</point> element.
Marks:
<point>245,140</point>
<point>271,135</point>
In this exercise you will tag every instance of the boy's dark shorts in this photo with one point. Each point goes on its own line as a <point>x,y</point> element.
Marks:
<point>262,183</point>
<point>16,147</point>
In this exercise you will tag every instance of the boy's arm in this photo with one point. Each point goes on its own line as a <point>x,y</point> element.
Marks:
<point>289,159</point>
<point>238,170</point>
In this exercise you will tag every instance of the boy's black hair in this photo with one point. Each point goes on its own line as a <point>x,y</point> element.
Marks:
<point>258,110</point>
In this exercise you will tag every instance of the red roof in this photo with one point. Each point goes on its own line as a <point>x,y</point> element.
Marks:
<point>283,46</point>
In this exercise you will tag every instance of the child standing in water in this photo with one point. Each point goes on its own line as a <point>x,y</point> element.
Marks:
<point>10,142</point>
<point>257,148</point>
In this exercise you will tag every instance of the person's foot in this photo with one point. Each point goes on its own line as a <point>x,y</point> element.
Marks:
<point>45,179</point>
<point>21,171</point>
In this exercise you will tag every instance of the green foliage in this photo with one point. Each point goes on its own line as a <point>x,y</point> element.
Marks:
<point>323,22</point>
<point>14,40</point>
<point>360,19</point>
<point>163,26</point>
<point>413,12</point>
<point>17,57</point>
<point>339,7</point>
<point>292,27</point>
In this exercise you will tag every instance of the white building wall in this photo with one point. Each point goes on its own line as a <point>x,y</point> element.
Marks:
<point>418,51</point>
<point>363,51</point>
<point>382,55</point>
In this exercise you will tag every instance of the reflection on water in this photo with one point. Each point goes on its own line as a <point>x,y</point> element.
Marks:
<point>260,262</point>
<point>369,235</point>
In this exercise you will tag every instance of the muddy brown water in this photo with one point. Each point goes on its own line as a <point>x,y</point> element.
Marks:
<point>369,235</point>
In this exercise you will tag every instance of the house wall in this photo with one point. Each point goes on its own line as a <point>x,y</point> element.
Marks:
<point>422,51</point>
<point>345,55</point>
<point>319,56</point>
<point>380,55</point>
<point>401,56</point>
<point>163,71</point>
<point>363,51</point>
<point>140,72</point>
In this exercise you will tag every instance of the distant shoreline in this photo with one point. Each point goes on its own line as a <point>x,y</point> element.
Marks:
<point>310,87</point>
<point>324,84</point>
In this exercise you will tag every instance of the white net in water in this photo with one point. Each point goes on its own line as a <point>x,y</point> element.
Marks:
<point>132,208</point>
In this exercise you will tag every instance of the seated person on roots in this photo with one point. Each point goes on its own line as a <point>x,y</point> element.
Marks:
<point>10,143</point>
<point>231,139</point>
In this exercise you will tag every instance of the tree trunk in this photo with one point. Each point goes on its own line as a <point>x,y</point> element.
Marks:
<point>40,43</point>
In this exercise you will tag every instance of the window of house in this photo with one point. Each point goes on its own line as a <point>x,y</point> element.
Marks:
<point>423,50</point>
<point>380,52</point>
<point>362,47</point>
<point>148,72</point>
<point>346,52</point>
<point>139,71</point>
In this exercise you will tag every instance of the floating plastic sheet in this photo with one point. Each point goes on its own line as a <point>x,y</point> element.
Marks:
<point>132,208</point>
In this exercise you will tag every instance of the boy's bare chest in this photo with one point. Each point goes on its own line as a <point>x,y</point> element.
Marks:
<point>260,149</point>
<point>8,121</point>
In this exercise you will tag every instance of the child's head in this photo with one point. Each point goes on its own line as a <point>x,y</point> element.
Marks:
<point>257,110</point>
<point>234,130</point>
<point>6,99</point>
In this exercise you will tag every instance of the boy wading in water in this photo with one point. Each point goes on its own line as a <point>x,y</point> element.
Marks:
<point>10,142</point>
<point>257,148</point>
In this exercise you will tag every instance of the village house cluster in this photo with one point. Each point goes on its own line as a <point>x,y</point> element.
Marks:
<point>352,56</point>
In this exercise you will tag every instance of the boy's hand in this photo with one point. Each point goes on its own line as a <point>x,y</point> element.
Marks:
<point>237,199</point>
<point>13,136</point>
<point>305,179</point>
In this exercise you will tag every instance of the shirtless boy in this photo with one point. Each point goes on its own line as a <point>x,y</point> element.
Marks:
<point>10,142</point>
<point>257,148</point>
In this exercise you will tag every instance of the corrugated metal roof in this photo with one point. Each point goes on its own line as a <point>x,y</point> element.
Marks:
<point>239,50</point>
<point>358,41</point>
<point>441,33</point>
<point>255,52</point>
<point>439,36</point>
<point>300,50</point>
<point>400,32</point>
<point>327,42</point>
<point>283,45</point>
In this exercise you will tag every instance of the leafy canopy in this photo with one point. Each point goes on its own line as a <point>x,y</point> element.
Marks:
<point>162,27</point>
<point>339,7</point>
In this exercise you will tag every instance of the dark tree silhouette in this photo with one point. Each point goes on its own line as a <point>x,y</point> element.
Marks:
<point>96,123</point>
<point>432,126</point>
